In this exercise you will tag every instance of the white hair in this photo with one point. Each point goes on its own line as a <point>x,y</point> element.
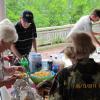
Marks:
<point>8,31</point>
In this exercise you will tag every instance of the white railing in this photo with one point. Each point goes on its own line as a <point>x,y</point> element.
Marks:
<point>49,35</point>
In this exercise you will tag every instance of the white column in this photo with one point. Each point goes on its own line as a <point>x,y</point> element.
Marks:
<point>2,10</point>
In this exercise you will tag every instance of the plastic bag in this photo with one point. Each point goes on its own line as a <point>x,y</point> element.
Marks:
<point>23,91</point>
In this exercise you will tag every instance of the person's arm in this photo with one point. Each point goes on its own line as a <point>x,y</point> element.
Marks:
<point>96,33</point>
<point>15,51</point>
<point>95,40</point>
<point>88,28</point>
<point>34,44</point>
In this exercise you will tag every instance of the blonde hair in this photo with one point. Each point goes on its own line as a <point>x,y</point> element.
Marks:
<point>80,46</point>
<point>8,31</point>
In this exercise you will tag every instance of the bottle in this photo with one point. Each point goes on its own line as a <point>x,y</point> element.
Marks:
<point>25,63</point>
<point>45,65</point>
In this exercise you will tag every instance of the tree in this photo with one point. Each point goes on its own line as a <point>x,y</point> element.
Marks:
<point>51,12</point>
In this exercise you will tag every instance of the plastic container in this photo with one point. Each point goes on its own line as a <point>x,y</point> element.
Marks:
<point>35,60</point>
<point>38,79</point>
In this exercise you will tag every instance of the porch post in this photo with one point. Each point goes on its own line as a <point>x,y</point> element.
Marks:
<point>2,10</point>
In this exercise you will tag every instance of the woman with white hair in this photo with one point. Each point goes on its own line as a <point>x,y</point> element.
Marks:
<point>8,36</point>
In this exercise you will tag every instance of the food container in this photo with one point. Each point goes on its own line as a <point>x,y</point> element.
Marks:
<point>35,60</point>
<point>40,76</point>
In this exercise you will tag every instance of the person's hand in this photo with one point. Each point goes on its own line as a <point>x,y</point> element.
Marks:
<point>97,45</point>
<point>19,68</point>
<point>9,81</point>
<point>10,70</point>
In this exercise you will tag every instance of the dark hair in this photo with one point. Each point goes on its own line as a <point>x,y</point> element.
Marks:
<point>96,12</point>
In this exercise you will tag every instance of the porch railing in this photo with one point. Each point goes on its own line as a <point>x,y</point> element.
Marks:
<point>50,35</point>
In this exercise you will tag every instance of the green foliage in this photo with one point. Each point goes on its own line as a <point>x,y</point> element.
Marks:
<point>57,12</point>
<point>51,12</point>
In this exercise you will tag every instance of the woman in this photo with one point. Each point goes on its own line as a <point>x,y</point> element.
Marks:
<point>8,36</point>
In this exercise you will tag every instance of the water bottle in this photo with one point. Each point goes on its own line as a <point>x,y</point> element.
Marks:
<point>45,65</point>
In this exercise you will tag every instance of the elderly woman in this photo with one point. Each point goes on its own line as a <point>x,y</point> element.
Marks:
<point>8,36</point>
<point>74,82</point>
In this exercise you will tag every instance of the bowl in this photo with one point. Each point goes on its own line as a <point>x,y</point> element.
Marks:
<point>37,78</point>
